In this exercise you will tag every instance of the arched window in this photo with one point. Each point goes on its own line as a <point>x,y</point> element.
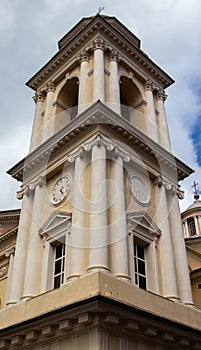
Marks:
<point>191,226</point>
<point>66,104</point>
<point>130,96</point>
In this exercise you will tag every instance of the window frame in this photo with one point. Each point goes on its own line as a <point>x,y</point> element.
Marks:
<point>55,230</point>
<point>144,231</point>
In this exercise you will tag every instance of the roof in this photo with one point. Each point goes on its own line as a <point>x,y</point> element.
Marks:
<point>81,36</point>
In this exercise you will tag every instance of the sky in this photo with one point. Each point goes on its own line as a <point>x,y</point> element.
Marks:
<point>170,33</point>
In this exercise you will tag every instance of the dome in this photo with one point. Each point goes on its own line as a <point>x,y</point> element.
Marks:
<point>196,204</point>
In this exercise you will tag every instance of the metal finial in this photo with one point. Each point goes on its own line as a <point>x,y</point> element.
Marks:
<point>195,186</point>
<point>100,9</point>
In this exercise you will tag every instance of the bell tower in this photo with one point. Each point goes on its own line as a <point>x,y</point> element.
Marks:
<point>100,215</point>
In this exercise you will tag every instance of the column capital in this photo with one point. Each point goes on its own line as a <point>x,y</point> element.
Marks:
<point>39,96</point>
<point>27,190</point>
<point>148,85</point>
<point>83,56</point>
<point>174,189</point>
<point>9,252</point>
<point>50,87</point>
<point>114,56</point>
<point>160,95</point>
<point>98,43</point>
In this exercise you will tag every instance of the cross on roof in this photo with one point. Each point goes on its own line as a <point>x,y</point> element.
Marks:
<point>100,9</point>
<point>195,185</point>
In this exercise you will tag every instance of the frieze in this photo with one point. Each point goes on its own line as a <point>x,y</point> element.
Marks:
<point>3,271</point>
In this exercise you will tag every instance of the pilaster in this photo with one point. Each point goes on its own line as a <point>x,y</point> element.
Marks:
<point>78,236</point>
<point>181,263</point>
<point>18,271</point>
<point>151,115</point>
<point>169,281</point>
<point>32,268</point>
<point>118,226</point>
<point>99,74</point>
<point>114,91</point>
<point>98,221</point>
<point>164,137</point>
<point>47,123</point>
<point>84,83</point>
<point>36,136</point>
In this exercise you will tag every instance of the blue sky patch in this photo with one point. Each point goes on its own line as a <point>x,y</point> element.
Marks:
<point>196,137</point>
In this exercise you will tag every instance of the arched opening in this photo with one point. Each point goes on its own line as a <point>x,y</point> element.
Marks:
<point>130,96</point>
<point>66,104</point>
<point>132,103</point>
<point>68,97</point>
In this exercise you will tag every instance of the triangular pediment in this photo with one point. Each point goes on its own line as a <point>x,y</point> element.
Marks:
<point>56,223</point>
<point>142,224</point>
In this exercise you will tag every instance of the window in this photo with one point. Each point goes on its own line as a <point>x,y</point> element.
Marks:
<point>55,233</point>
<point>139,264</point>
<point>143,235</point>
<point>59,265</point>
<point>191,226</point>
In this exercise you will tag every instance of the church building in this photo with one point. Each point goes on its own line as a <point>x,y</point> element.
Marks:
<point>98,258</point>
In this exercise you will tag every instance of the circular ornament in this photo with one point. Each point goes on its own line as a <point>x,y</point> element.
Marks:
<point>60,190</point>
<point>139,190</point>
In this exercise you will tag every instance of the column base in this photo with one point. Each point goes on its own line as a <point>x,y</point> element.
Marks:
<point>11,303</point>
<point>98,268</point>
<point>122,276</point>
<point>173,298</point>
<point>27,297</point>
<point>190,304</point>
<point>73,277</point>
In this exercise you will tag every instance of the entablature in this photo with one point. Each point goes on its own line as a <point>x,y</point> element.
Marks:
<point>95,116</point>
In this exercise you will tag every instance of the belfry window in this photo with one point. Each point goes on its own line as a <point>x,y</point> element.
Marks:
<point>59,264</point>
<point>191,227</point>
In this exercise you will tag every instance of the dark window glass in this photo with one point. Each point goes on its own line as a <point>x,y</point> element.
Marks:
<point>59,265</point>
<point>139,265</point>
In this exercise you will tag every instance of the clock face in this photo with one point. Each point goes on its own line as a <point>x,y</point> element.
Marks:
<point>60,190</point>
<point>139,190</point>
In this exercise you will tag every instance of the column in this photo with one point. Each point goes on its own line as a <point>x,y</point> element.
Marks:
<point>98,224</point>
<point>78,236</point>
<point>168,272</point>
<point>17,280</point>
<point>83,85</point>
<point>47,123</point>
<point>186,229</point>
<point>99,74</point>
<point>197,225</point>
<point>36,136</point>
<point>9,255</point>
<point>114,92</point>
<point>33,260</point>
<point>98,340</point>
<point>151,115</point>
<point>164,137</point>
<point>118,226</point>
<point>180,255</point>
<point>199,219</point>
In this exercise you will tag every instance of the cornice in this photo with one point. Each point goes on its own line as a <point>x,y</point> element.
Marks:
<point>7,240</point>
<point>99,113</point>
<point>9,215</point>
<point>80,40</point>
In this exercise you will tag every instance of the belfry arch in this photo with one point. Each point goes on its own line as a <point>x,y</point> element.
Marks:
<point>66,103</point>
<point>132,102</point>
